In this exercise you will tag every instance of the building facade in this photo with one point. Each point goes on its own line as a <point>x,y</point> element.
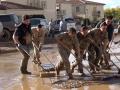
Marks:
<point>55,9</point>
<point>48,7</point>
<point>80,8</point>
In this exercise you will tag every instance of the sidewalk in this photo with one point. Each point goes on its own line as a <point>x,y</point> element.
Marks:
<point>7,47</point>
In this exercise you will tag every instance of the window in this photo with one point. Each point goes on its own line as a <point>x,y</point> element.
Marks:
<point>63,12</point>
<point>43,5</point>
<point>94,12</point>
<point>5,18</point>
<point>77,9</point>
<point>94,8</point>
<point>99,13</point>
<point>35,22</point>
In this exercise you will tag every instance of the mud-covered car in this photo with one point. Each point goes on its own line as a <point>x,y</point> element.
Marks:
<point>1,30</point>
<point>9,22</point>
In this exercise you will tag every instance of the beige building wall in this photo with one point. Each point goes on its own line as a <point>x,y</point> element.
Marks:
<point>86,11</point>
<point>50,10</point>
<point>81,12</point>
<point>24,2</point>
<point>66,10</point>
<point>90,8</point>
<point>21,12</point>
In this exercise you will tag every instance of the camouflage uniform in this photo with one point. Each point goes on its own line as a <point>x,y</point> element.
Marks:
<point>84,42</point>
<point>101,40</point>
<point>83,45</point>
<point>37,39</point>
<point>65,47</point>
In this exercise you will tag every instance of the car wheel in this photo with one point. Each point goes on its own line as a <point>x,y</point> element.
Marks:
<point>6,36</point>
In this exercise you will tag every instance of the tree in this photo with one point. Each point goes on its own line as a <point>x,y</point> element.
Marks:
<point>115,12</point>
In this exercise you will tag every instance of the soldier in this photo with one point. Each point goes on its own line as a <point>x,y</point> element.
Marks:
<point>100,37</point>
<point>85,41</point>
<point>23,38</point>
<point>66,42</point>
<point>37,40</point>
<point>110,28</point>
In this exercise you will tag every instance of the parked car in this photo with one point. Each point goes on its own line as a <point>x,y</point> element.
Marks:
<point>36,21</point>
<point>55,25</point>
<point>67,23</point>
<point>1,30</point>
<point>9,22</point>
<point>37,16</point>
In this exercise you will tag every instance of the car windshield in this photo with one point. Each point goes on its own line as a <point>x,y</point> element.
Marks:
<point>15,18</point>
<point>44,22</point>
<point>69,20</point>
<point>5,18</point>
<point>35,22</point>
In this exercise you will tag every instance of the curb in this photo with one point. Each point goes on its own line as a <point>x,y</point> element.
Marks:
<point>8,51</point>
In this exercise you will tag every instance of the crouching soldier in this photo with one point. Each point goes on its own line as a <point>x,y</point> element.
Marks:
<point>84,42</point>
<point>37,40</point>
<point>100,36</point>
<point>66,42</point>
<point>104,45</point>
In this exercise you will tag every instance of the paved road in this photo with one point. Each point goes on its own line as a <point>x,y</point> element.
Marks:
<point>12,79</point>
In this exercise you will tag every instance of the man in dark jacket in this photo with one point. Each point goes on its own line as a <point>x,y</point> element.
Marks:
<point>22,38</point>
<point>110,28</point>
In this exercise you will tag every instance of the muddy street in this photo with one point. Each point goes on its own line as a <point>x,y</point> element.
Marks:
<point>12,79</point>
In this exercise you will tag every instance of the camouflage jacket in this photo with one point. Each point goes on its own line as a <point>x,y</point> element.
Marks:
<point>100,37</point>
<point>83,40</point>
<point>71,43</point>
<point>38,36</point>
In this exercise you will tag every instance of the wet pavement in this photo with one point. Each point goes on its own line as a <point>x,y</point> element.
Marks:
<point>12,79</point>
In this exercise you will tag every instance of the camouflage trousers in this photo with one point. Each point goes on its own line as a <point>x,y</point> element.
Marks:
<point>36,53</point>
<point>64,63</point>
<point>94,57</point>
<point>79,62</point>
<point>105,59</point>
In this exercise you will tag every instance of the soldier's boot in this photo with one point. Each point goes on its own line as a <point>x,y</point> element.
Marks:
<point>57,71</point>
<point>107,66</point>
<point>107,59</point>
<point>24,65</point>
<point>59,67</point>
<point>96,67</point>
<point>24,71</point>
<point>101,63</point>
<point>80,70</point>
<point>93,69</point>
<point>70,76</point>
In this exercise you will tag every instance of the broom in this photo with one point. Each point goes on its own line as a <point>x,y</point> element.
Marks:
<point>46,72</point>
